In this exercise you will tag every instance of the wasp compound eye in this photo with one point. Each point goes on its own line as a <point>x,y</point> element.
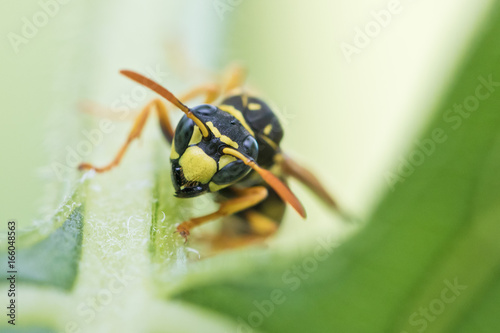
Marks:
<point>231,173</point>
<point>183,134</point>
<point>251,147</point>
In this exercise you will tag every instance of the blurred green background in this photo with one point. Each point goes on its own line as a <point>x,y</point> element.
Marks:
<point>352,119</point>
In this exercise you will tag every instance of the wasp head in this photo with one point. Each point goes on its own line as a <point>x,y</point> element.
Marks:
<point>198,163</point>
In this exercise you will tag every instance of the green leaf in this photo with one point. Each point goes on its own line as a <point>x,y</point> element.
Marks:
<point>63,247</point>
<point>49,255</point>
<point>428,260</point>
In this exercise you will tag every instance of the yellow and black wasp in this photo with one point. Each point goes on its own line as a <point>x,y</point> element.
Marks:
<point>233,149</point>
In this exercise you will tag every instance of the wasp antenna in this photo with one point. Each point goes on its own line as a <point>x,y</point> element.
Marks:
<point>273,181</point>
<point>164,92</point>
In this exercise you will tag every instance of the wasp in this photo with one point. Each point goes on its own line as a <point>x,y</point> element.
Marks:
<point>231,148</point>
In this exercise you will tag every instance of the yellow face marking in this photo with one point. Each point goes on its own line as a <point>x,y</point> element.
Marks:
<point>223,138</point>
<point>236,114</point>
<point>254,106</point>
<point>228,141</point>
<point>197,166</point>
<point>268,129</point>
<point>225,160</point>
<point>215,187</point>
<point>214,129</point>
<point>196,137</point>
<point>173,152</point>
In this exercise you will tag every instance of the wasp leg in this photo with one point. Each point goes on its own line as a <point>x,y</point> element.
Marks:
<point>98,110</point>
<point>139,123</point>
<point>260,228</point>
<point>246,198</point>
<point>210,90</point>
<point>260,224</point>
<point>233,78</point>
<point>306,177</point>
